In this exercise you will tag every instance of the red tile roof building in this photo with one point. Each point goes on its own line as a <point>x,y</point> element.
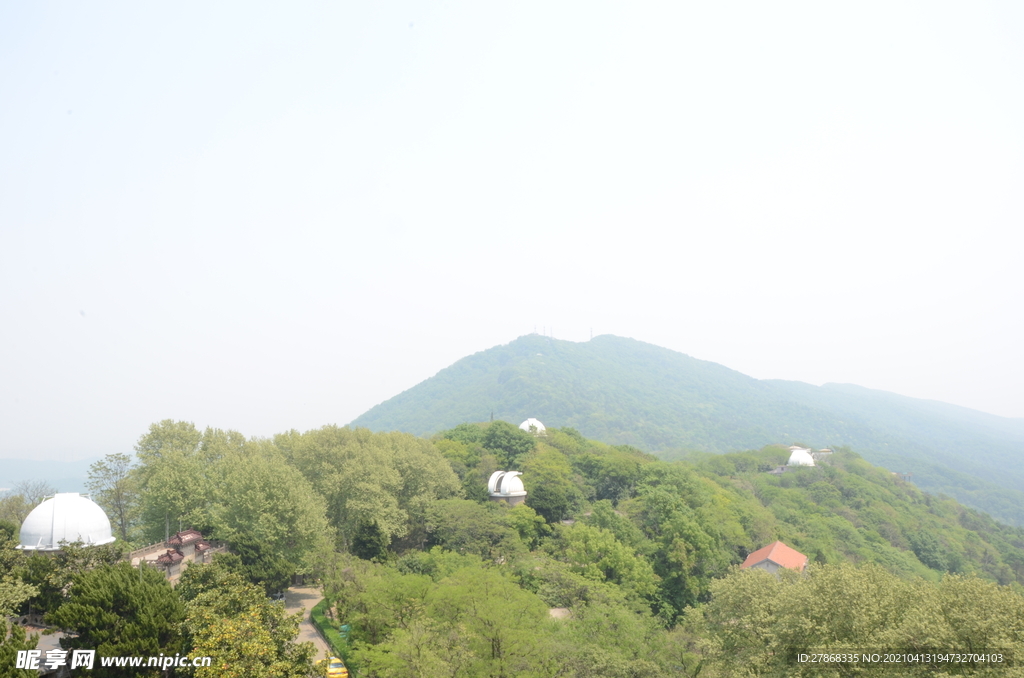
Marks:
<point>775,556</point>
<point>185,538</point>
<point>177,553</point>
<point>171,557</point>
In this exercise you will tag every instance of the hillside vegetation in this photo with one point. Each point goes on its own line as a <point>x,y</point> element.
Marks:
<point>627,392</point>
<point>637,558</point>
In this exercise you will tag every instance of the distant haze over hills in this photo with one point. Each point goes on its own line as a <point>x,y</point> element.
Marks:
<point>624,391</point>
<point>62,476</point>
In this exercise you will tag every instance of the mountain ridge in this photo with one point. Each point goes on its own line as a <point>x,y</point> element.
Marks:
<point>625,391</point>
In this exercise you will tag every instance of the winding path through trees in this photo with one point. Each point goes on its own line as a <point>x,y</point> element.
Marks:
<point>304,598</point>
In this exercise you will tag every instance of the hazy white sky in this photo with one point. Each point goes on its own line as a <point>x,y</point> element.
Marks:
<point>277,216</point>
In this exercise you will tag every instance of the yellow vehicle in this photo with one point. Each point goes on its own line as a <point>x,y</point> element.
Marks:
<point>336,668</point>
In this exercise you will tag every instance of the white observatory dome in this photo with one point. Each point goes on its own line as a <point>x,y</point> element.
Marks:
<point>506,484</point>
<point>534,424</point>
<point>65,517</point>
<point>800,457</point>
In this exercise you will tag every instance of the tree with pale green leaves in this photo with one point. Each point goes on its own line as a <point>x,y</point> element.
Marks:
<point>244,492</point>
<point>13,509</point>
<point>173,478</point>
<point>13,590</point>
<point>426,649</point>
<point>245,634</point>
<point>470,527</point>
<point>16,504</point>
<point>114,488</point>
<point>261,501</point>
<point>758,623</point>
<point>531,527</point>
<point>476,622</point>
<point>596,554</point>
<point>389,601</point>
<point>609,638</point>
<point>385,479</point>
<point>504,626</point>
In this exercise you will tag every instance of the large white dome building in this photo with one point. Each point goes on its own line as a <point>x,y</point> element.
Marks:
<point>800,457</point>
<point>66,517</point>
<point>533,426</point>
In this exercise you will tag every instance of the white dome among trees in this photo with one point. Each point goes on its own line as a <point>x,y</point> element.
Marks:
<point>533,426</point>
<point>65,517</point>
<point>506,486</point>
<point>800,457</point>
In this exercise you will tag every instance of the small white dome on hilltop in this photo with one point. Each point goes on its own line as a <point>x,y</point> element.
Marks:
<point>65,517</point>
<point>533,426</point>
<point>800,457</point>
<point>506,484</point>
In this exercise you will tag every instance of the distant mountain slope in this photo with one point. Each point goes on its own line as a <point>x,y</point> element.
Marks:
<point>624,391</point>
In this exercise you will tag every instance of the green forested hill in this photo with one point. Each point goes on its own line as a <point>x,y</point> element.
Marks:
<point>617,564</point>
<point>623,391</point>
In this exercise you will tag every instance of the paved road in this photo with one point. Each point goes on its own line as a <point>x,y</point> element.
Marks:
<point>304,598</point>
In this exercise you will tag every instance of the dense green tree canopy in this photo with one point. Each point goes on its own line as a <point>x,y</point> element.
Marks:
<point>470,527</point>
<point>596,554</point>
<point>13,589</point>
<point>383,479</point>
<point>551,488</point>
<point>176,478</point>
<point>508,442</point>
<point>53,575</point>
<point>758,623</point>
<point>119,610</point>
<point>263,503</point>
<point>11,642</point>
